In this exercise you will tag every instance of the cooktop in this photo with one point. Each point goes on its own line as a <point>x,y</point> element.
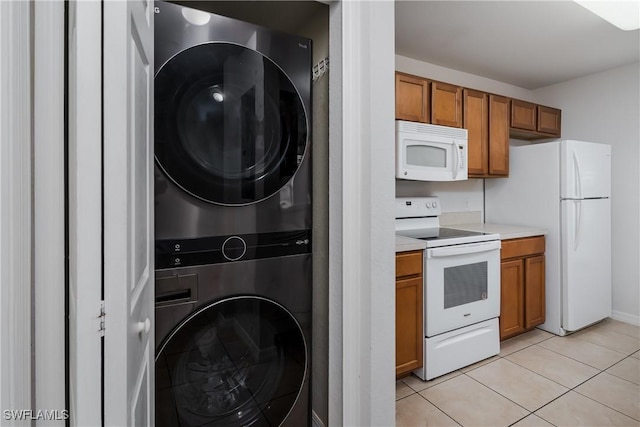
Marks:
<point>442,236</point>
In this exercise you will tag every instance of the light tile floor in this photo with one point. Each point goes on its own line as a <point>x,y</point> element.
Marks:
<point>590,378</point>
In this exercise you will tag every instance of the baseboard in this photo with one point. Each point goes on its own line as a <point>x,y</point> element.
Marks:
<point>315,420</point>
<point>626,317</point>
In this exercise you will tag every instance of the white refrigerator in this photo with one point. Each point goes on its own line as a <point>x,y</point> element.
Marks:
<point>563,187</point>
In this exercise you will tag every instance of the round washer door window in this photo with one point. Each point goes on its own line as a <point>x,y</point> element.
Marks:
<point>237,362</point>
<point>230,127</point>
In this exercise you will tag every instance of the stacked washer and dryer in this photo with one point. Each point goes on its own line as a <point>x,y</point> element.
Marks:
<point>232,221</point>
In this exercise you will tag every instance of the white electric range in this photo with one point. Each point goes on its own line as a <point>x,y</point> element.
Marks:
<point>461,288</point>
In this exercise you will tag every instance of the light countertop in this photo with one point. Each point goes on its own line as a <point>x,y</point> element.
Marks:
<point>404,244</point>
<point>505,231</point>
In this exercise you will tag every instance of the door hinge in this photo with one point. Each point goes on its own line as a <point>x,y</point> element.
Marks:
<point>101,319</point>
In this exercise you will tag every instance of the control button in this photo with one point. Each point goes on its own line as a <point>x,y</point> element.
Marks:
<point>234,248</point>
<point>176,247</point>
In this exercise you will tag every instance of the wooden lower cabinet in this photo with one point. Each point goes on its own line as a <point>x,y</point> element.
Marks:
<point>511,298</point>
<point>409,316</point>
<point>522,292</point>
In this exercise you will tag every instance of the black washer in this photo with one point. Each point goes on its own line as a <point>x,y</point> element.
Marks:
<point>230,126</point>
<point>240,361</point>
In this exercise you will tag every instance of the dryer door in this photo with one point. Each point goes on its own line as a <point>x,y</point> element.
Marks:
<point>237,362</point>
<point>230,127</point>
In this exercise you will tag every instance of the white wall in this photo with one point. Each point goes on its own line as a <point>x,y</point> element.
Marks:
<point>361,234</point>
<point>16,279</point>
<point>605,107</point>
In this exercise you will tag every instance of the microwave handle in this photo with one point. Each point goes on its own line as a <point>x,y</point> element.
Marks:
<point>457,157</point>
<point>463,249</point>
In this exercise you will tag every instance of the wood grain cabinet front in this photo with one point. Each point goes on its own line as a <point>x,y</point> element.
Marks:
<point>523,115</point>
<point>530,121</point>
<point>412,98</point>
<point>548,121</point>
<point>486,118</point>
<point>522,291</point>
<point>409,316</point>
<point>498,135</point>
<point>446,104</point>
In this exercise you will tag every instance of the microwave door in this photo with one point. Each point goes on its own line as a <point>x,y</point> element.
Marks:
<point>431,161</point>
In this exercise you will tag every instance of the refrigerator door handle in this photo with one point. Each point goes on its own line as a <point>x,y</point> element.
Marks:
<point>577,224</point>
<point>576,163</point>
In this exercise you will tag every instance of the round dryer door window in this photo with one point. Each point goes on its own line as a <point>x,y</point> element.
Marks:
<point>230,127</point>
<point>238,362</point>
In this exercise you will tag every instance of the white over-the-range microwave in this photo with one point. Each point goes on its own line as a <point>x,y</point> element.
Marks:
<point>430,152</point>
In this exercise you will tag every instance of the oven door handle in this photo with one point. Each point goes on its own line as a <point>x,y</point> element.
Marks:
<point>463,249</point>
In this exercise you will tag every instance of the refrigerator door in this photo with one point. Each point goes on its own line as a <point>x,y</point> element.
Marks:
<point>586,262</point>
<point>585,170</point>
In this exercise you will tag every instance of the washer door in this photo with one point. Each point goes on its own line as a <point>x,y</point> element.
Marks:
<point>230,127</point>
<point>237,362</point>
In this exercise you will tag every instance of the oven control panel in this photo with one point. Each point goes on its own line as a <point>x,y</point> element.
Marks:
<point>414,207</point>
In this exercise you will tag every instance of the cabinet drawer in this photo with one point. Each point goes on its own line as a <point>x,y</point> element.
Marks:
<point>522,247</point>
<point>408,263</point>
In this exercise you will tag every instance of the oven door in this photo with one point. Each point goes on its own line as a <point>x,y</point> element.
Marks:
<point>462,285</point>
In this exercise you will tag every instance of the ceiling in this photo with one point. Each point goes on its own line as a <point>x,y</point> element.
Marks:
<point>530,44</point>
<point>287,16</point>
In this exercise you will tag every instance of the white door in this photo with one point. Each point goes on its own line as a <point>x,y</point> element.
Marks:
<point>128,213</point>
<point>85,212</point>
<point>586,265</point>
<point>111,213</point>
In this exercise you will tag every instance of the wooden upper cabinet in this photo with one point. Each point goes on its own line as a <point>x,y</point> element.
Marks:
<point>412,98</point>
<point>446,104</point>
<point>476,121</point>
<point>531,121</point>
<point>499,135</point>
<point>523,115</point>
<point>548,120</point>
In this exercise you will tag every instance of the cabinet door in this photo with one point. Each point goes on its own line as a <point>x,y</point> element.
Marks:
<point>412,98</point>
<point>409,332</point>
<point>476,120</point>
<point>534,297</point>
<point>523,115</point>
<point>446,104</point>
<point>511,298</point>
<point>498,135</point>
<point>549,120</point>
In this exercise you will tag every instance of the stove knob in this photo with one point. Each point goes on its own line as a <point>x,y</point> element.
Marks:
<point>434,204</point>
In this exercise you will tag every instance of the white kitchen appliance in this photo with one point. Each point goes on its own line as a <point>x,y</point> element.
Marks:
<point>461,288</point>
<point>564,187</point>
<point>430,152</point>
